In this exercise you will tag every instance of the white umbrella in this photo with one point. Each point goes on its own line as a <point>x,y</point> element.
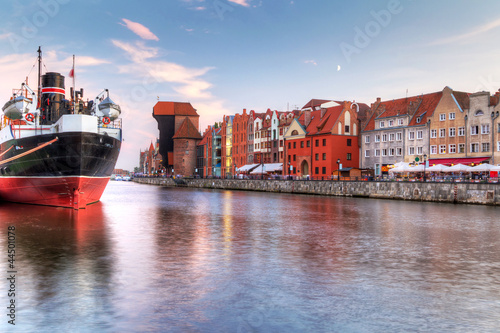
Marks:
<point>418,168</point>
<point>458,168</point>
<point>438,168</point>
<point>481,168</point>
<point>495,168</point>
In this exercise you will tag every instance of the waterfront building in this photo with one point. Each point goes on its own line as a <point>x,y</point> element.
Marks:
<point>250,137</point>
<point>170,116</point>
<point>150,160</point>
<point>240,139</point>
<point>447,130</point>
<point>185,140</point>
<point>395,131</point>
<point>322,139</point>
<point>227,165</point>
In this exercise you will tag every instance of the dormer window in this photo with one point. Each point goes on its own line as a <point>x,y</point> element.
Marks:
<point>479,113</point>
<point>419,119</point>
<point>382,124</point>
<point>391,123</point>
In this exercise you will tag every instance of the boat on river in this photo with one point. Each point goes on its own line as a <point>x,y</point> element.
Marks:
<point>57,151</point>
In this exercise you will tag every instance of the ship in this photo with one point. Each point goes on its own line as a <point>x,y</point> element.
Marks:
<point>56,151</point>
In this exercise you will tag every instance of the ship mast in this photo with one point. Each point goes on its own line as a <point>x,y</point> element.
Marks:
<point>39,73</point>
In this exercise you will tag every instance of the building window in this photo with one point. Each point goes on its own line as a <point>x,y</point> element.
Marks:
<point>442,149</point>
<point>451,131</point>
<point>434,133</point>
<point>367,153</point>
<point>316,170</point>
<point>419,119</point>
<point>294,157</point>
<point>323,170</point>
<point>346,128</point>
<point>498,146</point>
<point>301,144</point>
<point>400,122</point>
<point>474,130</point>
<point>411,150</point>
<point>442,116</point>
<point>349,142</point>
<point>399,136</point>
<point>485,147</point>
<point>479,113</point>
<point>367,139</point>
<point>391,123</point>
<point>377,137</point>
<point>461,131</point>
<point>377,152</point>
<point>461,148</point>
<point>281,143</point>
<point>384,152</point>
<point>316,143</point>
<point>442,132</point>
<point>392,136</point>
<point>451,115</point>
<point>324,156</point>
<point>316,157</point>
<point>452,149</point>
<point>324,142</point>
<point>349,156</point>
<point>420,135</point>
<point>384,137</point>
<point>434,149</point>
<point>411,135</point>
<point>420,150</point>
<point>382,124</point>
<point>399,151</point>
<point>485,129</point>
<point>289,145</point>
<point>474,147</point>
<point>294,145</point>
<point>392,151</point>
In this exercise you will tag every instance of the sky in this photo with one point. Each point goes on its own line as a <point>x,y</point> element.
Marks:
<point>224,56</point>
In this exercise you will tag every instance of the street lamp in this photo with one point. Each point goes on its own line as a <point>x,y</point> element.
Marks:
<point>338,169</point>
<point>425,162</point>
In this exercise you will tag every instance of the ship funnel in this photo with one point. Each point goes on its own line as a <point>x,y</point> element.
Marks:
<point>52,94</point>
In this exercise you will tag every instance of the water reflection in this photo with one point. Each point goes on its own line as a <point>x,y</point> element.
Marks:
<point>162,259</point>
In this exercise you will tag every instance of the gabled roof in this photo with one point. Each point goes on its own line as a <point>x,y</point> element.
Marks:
<point>324,125</point>
<point>187,131</point>
<point>315,102</point>
<point>422,106</point>
<point>174,109</point>
<point>462,99</point>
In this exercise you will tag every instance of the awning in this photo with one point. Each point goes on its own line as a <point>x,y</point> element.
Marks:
<point>450,161</point>
<point>269,167</point>
<point>247,167</point>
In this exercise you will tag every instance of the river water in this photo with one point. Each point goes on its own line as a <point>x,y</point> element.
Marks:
<point>153,259</point>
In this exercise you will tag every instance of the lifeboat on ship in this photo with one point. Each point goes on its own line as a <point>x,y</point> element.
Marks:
<point>109,109</point>
<point>16,107</point>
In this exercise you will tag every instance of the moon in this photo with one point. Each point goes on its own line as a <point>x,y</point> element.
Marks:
<point>338,68</point>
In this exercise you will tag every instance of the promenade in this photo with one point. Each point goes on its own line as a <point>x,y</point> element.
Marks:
<point>447,192</point>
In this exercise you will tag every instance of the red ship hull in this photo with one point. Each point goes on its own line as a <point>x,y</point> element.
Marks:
<point>70,191</point>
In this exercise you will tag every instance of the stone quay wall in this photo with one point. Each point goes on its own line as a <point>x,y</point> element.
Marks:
<point>465,193</point>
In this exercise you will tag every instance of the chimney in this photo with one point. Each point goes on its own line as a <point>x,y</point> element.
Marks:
<point>307,117</point>
<point>323,111</point>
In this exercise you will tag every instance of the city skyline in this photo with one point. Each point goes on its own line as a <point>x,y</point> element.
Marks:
<point>226,55</point>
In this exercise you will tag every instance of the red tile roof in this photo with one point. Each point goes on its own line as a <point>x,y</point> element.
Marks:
<point>174,109</point>
<point>324,125</point>
<point>462,99</point>
<point>426,108</point>
<point>187,131</point>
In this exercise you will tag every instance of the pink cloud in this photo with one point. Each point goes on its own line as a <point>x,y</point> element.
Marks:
<point>140,30</point>
<point>241,2</point>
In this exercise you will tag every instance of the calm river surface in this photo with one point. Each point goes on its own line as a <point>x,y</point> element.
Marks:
<point>152,259</point>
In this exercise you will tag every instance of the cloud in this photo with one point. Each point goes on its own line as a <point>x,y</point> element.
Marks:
<point>479,30</point>
<point>244,3</point>
<point>139,30</point>
<point>5,35</point>
<point>90,61</point>
<point>311,62</point>
<point>190,84</point>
